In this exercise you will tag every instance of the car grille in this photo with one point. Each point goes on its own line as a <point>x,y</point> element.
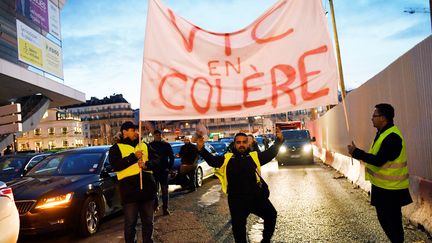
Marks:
<point>24,206</point>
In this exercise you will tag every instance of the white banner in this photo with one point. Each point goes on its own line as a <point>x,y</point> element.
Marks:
<point>283,61</point>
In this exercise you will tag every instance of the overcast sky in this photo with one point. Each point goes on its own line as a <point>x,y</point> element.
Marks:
<point>103,40</point>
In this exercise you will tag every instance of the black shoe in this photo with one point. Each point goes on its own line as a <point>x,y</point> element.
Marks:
<point>166,212</point>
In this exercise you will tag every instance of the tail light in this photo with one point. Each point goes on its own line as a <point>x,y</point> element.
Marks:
<point>6,192</point>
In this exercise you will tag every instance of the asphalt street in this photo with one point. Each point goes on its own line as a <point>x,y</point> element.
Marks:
<point>313,205</point>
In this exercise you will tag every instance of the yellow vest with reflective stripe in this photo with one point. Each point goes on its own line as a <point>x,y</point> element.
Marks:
<point>221,171</point>
<point>134,169</point>
<point>393,175</point>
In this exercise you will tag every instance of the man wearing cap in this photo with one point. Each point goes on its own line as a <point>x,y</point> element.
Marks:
<point>161,172</point>
<point>128,157</point>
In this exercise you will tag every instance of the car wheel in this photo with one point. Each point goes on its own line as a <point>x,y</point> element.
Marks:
<point>199,177</point>
<point>90,217</point>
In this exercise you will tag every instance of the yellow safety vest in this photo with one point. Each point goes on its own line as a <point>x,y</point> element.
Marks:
<point>393,175</point>
<point>221,171</point>
<point>134,169</point>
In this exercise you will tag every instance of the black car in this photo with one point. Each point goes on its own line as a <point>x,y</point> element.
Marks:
<point>297,148</point>
<point>16,165</point>
<point>74,188</point>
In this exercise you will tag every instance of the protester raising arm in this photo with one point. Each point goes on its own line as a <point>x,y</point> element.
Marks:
<point>213,161</point>
<point>267,155</point>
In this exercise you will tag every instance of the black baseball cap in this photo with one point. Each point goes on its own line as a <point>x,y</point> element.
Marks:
<point>157,131</point>
<point>127,125</point>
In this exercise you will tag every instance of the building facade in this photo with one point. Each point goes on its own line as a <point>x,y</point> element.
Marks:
<point>102,118</point>
<point>57,130</point>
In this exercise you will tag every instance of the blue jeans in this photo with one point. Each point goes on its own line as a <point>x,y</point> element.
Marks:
<point>145,210</point>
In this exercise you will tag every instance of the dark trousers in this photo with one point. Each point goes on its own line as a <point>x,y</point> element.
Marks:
<point>240,208</point>
<point>390,218</point>
<point>162,182</point>
<point>145,210</point>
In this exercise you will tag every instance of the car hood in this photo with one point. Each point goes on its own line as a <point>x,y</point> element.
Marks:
<point>297,144</point>
<point>32,188</point>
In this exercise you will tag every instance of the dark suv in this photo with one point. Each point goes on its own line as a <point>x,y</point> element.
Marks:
<point>297,148</point>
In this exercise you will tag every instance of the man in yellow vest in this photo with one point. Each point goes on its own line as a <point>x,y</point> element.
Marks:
<point>128,157</point>
<point>239,173</point>
<point>387,170</point>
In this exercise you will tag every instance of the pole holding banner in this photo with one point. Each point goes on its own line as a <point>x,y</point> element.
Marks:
<point>139,146</point>
<point>341,78</point>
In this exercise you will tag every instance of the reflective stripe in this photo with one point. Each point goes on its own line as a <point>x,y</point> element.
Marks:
<point>387,177</point>
<point>390,165</point>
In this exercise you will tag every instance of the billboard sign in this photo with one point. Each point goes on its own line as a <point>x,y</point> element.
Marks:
<point>54,20</point>
<point>36,50</point>
<point>35,10</point>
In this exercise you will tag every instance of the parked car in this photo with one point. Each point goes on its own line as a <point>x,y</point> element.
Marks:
<point>296,148</point>
<point>202,172</point>
<point>9,218</point>
<point>69,189</point>
<point>220,147</point>
<point>16,165</point>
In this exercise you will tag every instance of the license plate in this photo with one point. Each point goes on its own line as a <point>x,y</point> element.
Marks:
<point>295,156</point>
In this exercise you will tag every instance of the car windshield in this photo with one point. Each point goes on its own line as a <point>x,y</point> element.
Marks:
<point>296,135</point>
<point>68,164</point>
<point>12,164</point>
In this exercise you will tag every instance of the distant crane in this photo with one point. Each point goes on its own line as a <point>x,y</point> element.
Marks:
<point>421,10</point>
<point>416,10</point>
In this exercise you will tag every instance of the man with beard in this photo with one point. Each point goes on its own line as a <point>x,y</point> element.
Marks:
<point>239,173</point>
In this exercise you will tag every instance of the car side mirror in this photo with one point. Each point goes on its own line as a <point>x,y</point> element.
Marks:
<point>313,139</point>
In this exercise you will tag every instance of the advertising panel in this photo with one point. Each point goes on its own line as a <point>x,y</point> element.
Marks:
<point>35,10</point>
<point>38,51</point>
<point>29,45</point>
<point>54,20</point>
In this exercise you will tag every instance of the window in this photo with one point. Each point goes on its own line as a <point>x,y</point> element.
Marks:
<point>212,120</point>
<point>65,143</point>
<point>37,131</point>
<point>51,131</point>
<point>232,119</point>
<point>64,130</point>
<point>78,130</point>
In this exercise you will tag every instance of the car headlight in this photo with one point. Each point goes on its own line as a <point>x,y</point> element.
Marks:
<point>283,149</point>
<point>57,201</point>
<point>307,148</point>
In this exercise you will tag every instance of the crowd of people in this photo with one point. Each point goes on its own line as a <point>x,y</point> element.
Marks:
<point>142,168</point>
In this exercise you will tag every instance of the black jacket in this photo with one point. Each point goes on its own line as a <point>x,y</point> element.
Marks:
<point>241,169</point>
<point>188,154</point>
<point>130,186</point>
<point>164,150</point>
<point>390,149</point>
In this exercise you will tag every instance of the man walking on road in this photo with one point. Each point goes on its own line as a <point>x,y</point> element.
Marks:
<point>387,170</point>
<point>127,157</point>
<point>239,173</point>
<point>161,172</point>
<point>189,156</point>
